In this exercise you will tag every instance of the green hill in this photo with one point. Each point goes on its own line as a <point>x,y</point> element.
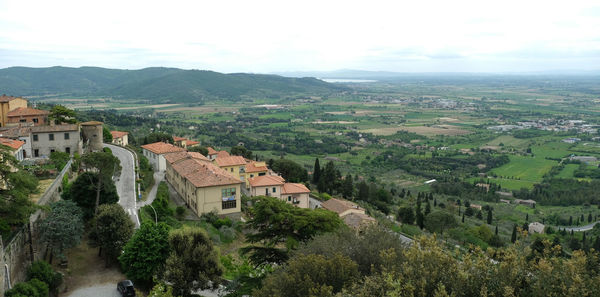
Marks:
<point>155,84</point>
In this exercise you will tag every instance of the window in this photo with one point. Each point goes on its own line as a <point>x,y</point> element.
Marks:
<point>231,169</point>
<point>228,192</point>
<point>22,120</point>
<point>36,153</point>
<point>66,136</point>
<point>52,151</point>
<point>251,175</point>
<point>274,190</point>
<point>228,204</point>
<point>289,198</point>
<point>35,137</point>
<point>68,150</point>
<point>51,136</point>
<point>35,120</point>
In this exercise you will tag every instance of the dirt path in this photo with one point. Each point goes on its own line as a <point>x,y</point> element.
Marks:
<point>87,270</point>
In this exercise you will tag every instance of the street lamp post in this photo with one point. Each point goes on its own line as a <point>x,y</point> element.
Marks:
<point>155,215</point>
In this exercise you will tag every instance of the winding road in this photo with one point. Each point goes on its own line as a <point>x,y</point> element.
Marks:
<point>125,183</point>
<point>580,229</point>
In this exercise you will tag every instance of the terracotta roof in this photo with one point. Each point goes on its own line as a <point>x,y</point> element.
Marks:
<point>15,132</point>
<point>339,206</point>
<point>211,151</point>
<point>176,156</point>
<point>4,98</point>
<point>266,180</point>
<point>25,111</point>
<point>191,142</point>
<point>162,148</point>
<point>230,161</point>
<point>198,156</point>
<point>223,154</point>
<point>292,188</point>
<point>92,123</point>
<point>118,134</point>
<point>357,220</point>
<point>14,144</point>
<point>177,138</point>
<point>252,167</point>
<point>203,174</point>
<point>55,128</point>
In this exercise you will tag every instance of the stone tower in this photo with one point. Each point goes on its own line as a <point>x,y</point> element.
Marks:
<point>92,136</point>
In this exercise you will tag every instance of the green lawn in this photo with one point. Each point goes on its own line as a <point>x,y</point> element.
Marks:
<point>508,140</point>
<point>568,171</point>
<point>520,168</point>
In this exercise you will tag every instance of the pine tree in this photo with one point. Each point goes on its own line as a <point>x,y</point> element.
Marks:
<point>348,187</point>
<point>590,218</point>
<point>513,237</point>
<point>489,216</point>
<point>527,218</point>
<point>496,230</point>
<point>420,218</point>
<point>463,218</point>
<point>570,220</point>
<point>434,202</point>
<point>427,208</point>
<point>316,172</point>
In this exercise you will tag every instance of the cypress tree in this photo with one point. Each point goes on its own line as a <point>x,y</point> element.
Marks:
<point>317,172</point>
<point>527,218</point>
<point>590,218</point>
<point>434,202</point>
<point>463,218</point>
<point>582,219</point>
<point>489,216</point>
<point>513,237</point>
<point>427,208</point>
<point>420,218</point>
<point>570,220</point>
<point>496,230</point>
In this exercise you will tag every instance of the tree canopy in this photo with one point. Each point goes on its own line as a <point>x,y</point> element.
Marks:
<point>145,253</point>
<point>193,262</point>
<point>113,229</point>
<point>83,193</point>
<point>63,227</point>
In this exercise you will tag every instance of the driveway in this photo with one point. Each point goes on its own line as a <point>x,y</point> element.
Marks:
<point>104,290</point>
<point>580,229</point>
<point>126,182</point>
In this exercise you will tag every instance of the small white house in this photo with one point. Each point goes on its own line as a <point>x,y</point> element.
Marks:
<point>155,152</point>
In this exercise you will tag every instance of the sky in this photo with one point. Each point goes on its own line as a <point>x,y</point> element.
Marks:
<point>275,36</point>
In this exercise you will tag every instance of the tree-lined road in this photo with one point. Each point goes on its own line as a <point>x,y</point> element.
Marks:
<point>126,182</point>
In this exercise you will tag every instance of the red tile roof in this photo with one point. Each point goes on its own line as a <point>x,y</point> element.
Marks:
<point>266,180</point>
<point>26,111</point>
<point>211,151</point>
<point>198,156</point>
<point>14,144</point>
<point>191,142</point>
<point>177,138</point>
<point>251,167</point>
<point>162,148</point>
<point>203,174</point>
<point>55,128</point>
<point>118,134</point>
<point>293,188</point>
<point>223,154</point>
<point>230,161</point>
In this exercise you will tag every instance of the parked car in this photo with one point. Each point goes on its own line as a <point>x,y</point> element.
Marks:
<point>126,288</point>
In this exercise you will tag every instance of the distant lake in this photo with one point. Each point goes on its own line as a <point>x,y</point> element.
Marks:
<point>344,80</point>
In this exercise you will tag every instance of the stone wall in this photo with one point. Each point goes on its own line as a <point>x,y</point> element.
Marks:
<point>24,247</point>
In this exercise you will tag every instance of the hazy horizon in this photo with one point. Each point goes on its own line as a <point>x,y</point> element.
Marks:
<point>276,37</point>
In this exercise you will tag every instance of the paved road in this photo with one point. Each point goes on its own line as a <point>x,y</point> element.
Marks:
<point>158,177</point>
<point>580,229</point>
<point>106,290</point>
<point>126,182</point>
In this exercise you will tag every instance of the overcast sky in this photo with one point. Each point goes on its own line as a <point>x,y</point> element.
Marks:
<point>271,36</point>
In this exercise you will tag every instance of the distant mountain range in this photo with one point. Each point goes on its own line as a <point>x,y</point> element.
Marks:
<point>156,84</point>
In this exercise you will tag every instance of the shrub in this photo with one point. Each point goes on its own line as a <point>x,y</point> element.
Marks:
<point>227,233</point>
<point>42,271</point>
<point>180,211</point>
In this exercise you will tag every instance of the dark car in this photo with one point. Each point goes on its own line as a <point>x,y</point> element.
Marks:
<point>126,288</point>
